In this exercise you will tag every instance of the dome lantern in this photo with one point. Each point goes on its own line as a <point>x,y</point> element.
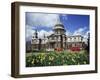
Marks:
<point>59,28</point>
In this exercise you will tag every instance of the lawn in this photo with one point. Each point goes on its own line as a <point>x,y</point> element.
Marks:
<point>56,58</point>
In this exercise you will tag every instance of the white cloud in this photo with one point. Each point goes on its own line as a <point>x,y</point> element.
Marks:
<point>86,34</point>
<point>82,32</point>
<point>43,32</point>
<point>85,37</point>
<point>68,33</point>
<point>41,19</point>
<point>79,31</point>
<point>29,32</point>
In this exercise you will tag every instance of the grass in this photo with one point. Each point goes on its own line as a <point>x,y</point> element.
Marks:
<point>56,58</point>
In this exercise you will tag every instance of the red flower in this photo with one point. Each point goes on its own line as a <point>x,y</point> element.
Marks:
<point>58,49</point>
<point>75,48</point>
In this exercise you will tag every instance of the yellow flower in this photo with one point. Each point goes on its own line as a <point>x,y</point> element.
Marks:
<point>51,58</point>
<point>49,63</point>
<point>78,63</point>
<point>73,60</point>
<point>84,62</point>
<point>39,57</point>
<point>37,60</point>
<point>33,61</point>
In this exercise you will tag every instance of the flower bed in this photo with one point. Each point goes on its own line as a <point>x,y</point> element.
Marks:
<point>58,49</point>
<point>75,48</point>
<point>54,59</point>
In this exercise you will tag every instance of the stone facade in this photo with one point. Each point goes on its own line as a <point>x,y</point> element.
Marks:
<point>57,40</point>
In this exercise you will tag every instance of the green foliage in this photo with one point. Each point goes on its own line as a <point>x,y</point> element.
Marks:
<point>57,59</point>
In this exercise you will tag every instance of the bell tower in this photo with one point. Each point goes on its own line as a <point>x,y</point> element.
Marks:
<point>36,34</point>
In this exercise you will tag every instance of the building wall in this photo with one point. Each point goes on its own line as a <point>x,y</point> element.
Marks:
<point>53,42</point>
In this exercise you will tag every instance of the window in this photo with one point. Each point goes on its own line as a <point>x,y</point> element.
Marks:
<point>74,38</point>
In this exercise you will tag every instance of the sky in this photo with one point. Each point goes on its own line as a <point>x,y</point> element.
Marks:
<point>44,22</point>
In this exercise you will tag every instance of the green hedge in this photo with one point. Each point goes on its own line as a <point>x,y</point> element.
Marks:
<point>57,58</point>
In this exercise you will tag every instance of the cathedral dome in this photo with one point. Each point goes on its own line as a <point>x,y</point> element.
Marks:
<point>59,26</point>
